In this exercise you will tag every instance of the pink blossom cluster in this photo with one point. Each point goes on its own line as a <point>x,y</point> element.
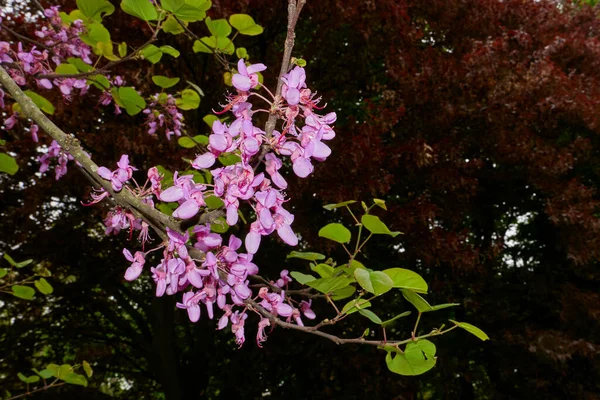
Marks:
<point>61,156</point>
<point>162,113</point>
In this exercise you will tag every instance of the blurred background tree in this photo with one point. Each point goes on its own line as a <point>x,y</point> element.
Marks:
<point>476,120</point>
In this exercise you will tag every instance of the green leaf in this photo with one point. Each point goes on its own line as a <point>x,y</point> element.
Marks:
<point>338,205</point>
<point>245,24</point>
<point>442,306</point>
<point>88,369</point>
<point>380,203</point>
<point>472,329</point>
<point>40,101</point>
<point>96,32</point>
<point>407,279</point>
<point>209,119</point>
<point>164,82</point>
<point>45,373</point>
<point>99,81</point>
<point>172,26</point>
<point>187,10</point>
<point>324,270</point>
<point>172,51</point>
<point>375,226</point>
<point>301,62</point>
<point>336,232</point>
<point>142,9</point>
<point>201,139</point>
<point>66,69</point>
<point>229,159</point>
<point>391,320</point>
<point>306,256</point>
<point>94,9</point>
<point>105,49</point>
<point>23,263</point>
<point>301,278</point>
<point>413,298</point>
<point>208,44</point>
<point>371,315</point>
<point>30,379</point>
<point>219,225</point>
<point>132,101</point>
<point>213,202</point>
<point>189,100</point>
<point>3,272</point>
<point>218,27</point>
<point>23,292</point>
<point>186,142</point>
<point>343,293</point>
<point>75,379</point>
<point>418,358</point>
<point>328,285</point>
<point>355,305</point>
<point>43,286</point>
<point>80,64</point>
<point>196,88</point>
<point>53,368</point>
<point>375,282</point>
<point>122,49</point>
<point>152,53</point>
<point>241,52</point>
<point>8,164</point>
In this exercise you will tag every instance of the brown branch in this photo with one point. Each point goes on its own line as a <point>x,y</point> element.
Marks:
<point>25,38</point>
<point>46,387</point>
<point>336,339</point>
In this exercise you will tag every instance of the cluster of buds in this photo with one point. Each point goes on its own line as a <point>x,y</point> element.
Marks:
<point>162,113</point>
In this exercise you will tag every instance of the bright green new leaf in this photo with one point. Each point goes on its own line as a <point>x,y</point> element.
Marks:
<point>355,305</point>
<point>306,256</point>
<point>122,49</point>
<point>241,52</point>
<point>133,102</point>
<point>66,69</point>
<point>152,53</point>
<point>43,286</point>
<point>392,320</point>
<point>105,49</point>
<point>208,44</point>
<point>80,64</point>
<point>472,329</point>
<point>413,298</point>
<point>229,159</point>
<point>187,10</point>
<point>245,24</point>
<point>380,203</point>
<point>209,119</point>
<point>189,100</point>
<point>8,164</point>
<point>343,293</point>
<point>164,82</point>
<point>30,379</point>
<point>95,9</point>
<point>219,226</point>
<point>375,226</point>
<point>45,373</point>
<point>172,26</point>
<point>196,88</point>
<point>337,205</point>
<point>328,285</point>
<point>88,369</point>
<point>301,62</point>
<point>407,279</point>
<point>301,278</point>
<point>218,27</point>
<point>142,9</point>
<point>336,232</point>
<point>96,32</point>
<point>3,272</point>
<point>324,270</point>
<point>375,282</point>
<point>371,315</point>
<point>75,379</point>
<point>99,81</point>
<point>23,292</point>
<point>201,139</point>
<point>170,50</point>
<point>418,358</point>
<point>24,263</point>
<point>213,202</point>
<point>186,142</point>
